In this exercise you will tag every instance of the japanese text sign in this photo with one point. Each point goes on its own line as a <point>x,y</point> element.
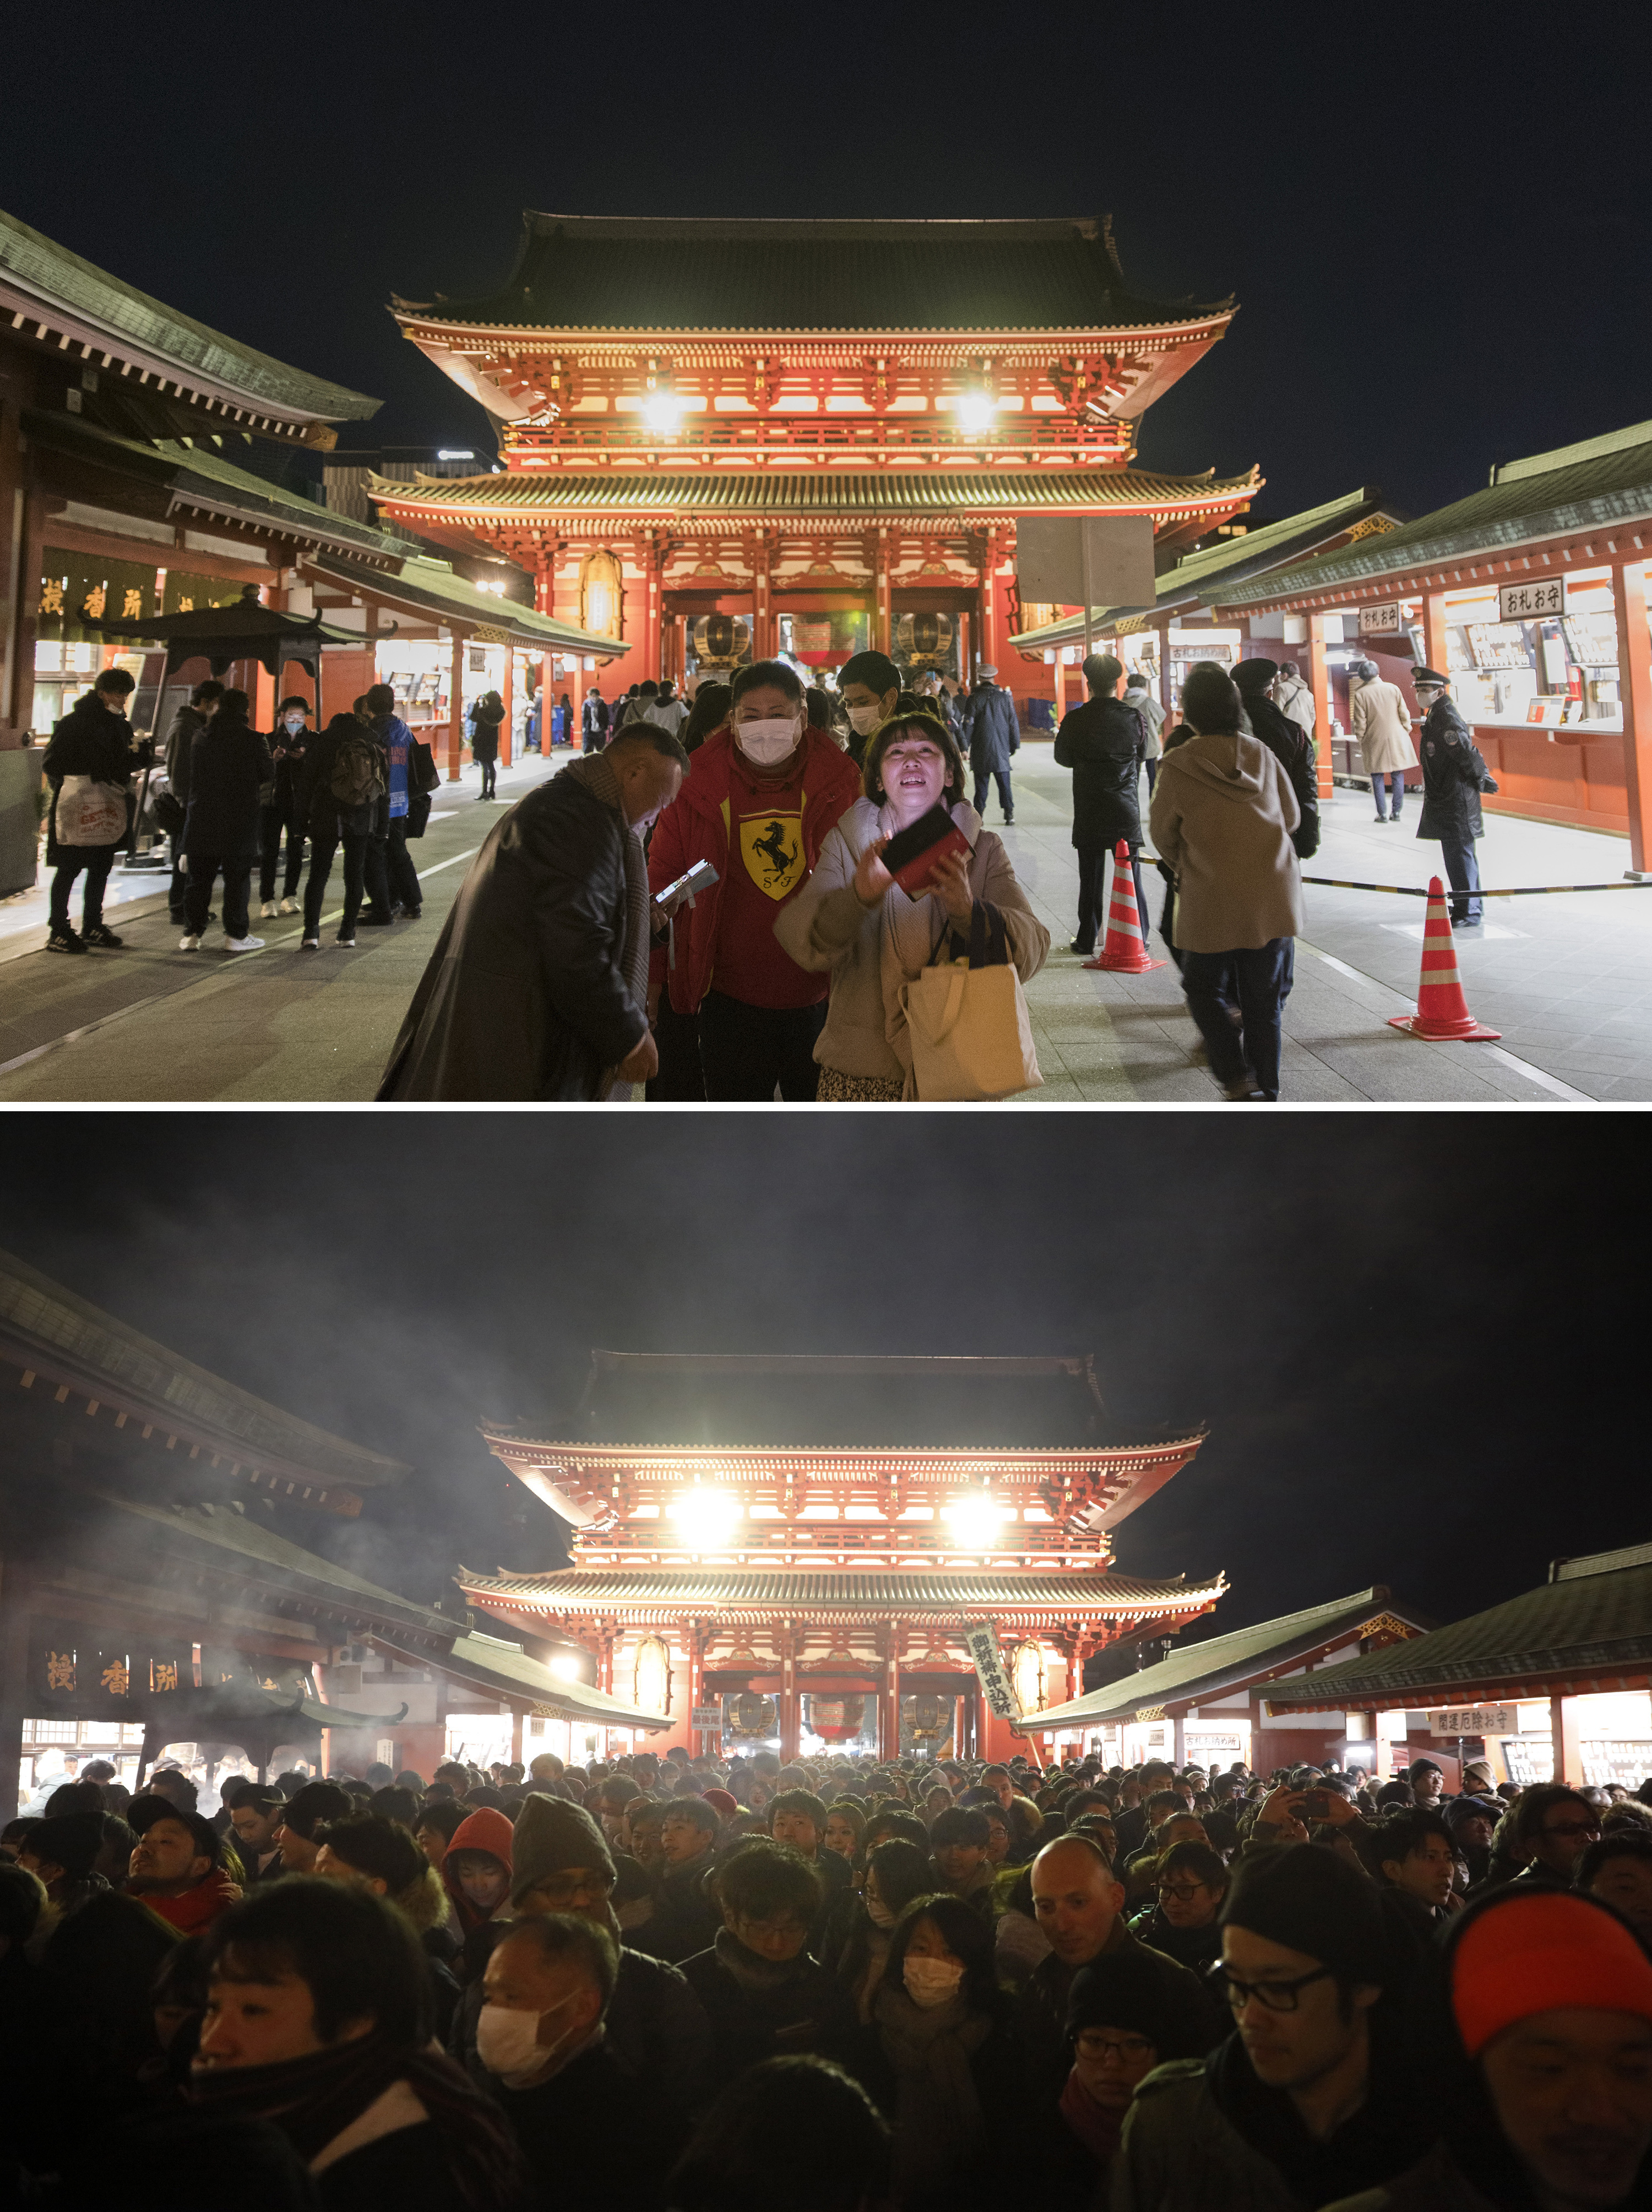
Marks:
<point>1530,602</point>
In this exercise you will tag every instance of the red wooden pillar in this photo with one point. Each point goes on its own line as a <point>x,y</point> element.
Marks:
<point>1563,1711</point>
<point>455,708</point>
<point>1434,631</point>
<point>547,702</point>
<point>889,1716</point>
<point>1319,685</point>
<point>1634,690</point>
<point>990,626</point>
<point>789,1714</point>
<point>883,619</point>
<point>509,697</point>
<point>762,617</point>
<point>1061,683</point>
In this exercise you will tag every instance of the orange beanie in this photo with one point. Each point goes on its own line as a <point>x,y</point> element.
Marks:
<point>1544,1952</point>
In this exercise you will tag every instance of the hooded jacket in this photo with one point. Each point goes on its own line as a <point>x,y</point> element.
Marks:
<point>1221,814</point>
<point>231,774</point>
<point>696,827</point>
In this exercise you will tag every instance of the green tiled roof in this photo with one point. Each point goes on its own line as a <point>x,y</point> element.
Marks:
<point>931,1594</point>
<point>487,1662</point>
<point>1603,484</point>
<point>1222,1662</point>
<point>766,491</point>
<point>200,471</point>
<point>36,1312</point>
<point>432,585</point>
<point>1196,576</point>
<point>606,273</point>
<point>239,1544</point>
<point>34,266</point>
<point>1594,1619</point>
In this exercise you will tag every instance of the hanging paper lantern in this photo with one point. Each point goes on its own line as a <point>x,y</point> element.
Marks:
<point>749,1714</point>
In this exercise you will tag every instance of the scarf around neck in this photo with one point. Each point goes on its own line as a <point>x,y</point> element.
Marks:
<point>1096,2128</point>
<point>596,773</point>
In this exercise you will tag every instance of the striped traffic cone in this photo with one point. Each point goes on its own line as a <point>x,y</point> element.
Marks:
<point>1122,948</point>
<point>1442,1010</point>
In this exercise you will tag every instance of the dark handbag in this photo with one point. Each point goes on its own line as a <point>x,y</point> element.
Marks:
<point>418,812</point>
<point>170,812</point>
<point>426,776</point>
<point>988,944</point>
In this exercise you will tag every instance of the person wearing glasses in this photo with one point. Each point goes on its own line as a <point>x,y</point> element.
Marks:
<point>1078,1907</point>
<point>766,1997</point>
<point>1308,2101</point>
<point>1553,1828</point>
<point>1190,1882</point>
<point>1118,2029</point>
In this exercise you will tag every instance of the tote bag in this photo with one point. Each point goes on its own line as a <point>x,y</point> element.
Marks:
<point>89,813</point>
<point>971,1039</point>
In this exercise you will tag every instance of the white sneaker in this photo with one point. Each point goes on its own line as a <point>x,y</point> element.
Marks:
<point>311,945</point>
<point>266,909</point>
<point>242,944</point>
<point>289,906</point>
<point>189,943</point>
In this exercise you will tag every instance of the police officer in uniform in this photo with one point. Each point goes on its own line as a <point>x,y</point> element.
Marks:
<point>1454,776</point>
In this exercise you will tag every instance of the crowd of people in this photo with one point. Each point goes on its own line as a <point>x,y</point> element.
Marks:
<point>785,971</point>
<point>842,1984</point>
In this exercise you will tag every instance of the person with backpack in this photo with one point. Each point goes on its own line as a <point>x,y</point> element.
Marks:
<point>343,778</point>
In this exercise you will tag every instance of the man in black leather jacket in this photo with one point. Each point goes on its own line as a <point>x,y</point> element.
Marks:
<point>1104,743</point>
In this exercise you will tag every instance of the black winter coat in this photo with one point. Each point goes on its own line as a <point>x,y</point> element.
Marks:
<point>797,2007</point>
<point>1104,744</point>
<point>1294,751</point>
<point>1454,772</point>
<point>186,724</point>
<point>89,741</point>
<point>485,724</point>
<point>524,996</point>
<point>994,732</point>
<point>230,773</point>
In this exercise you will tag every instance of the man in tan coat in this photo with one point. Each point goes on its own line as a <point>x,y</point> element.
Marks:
<point>1222,816</point>
<point>1382,723</point>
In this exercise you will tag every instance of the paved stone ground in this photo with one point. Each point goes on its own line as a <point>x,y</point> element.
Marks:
<point>1567,980</point>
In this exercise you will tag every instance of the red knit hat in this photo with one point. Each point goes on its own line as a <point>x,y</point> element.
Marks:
<point>1546,1952</point>
<point>721,1802</point>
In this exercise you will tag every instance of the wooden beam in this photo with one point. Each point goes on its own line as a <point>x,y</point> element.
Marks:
<point>1635,692</point>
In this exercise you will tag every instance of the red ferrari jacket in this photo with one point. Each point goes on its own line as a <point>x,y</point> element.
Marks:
<point>696,827</point>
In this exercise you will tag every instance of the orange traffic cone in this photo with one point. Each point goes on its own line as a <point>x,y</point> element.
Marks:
<point>1442,1010</point>
<point>1122,948</point>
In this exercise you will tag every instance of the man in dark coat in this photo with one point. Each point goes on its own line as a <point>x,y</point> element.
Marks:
<point>231,775</point>
<point>994,739</point>
<point>1104,744</point>
<point>92,740</point>
<point>1454,775</point>
<point>191,719</point>
<point>1288,742</point>
<point>538,987</point>
<point>330,821</point>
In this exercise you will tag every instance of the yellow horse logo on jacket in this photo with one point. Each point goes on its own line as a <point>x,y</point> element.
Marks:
<point>772,847</point>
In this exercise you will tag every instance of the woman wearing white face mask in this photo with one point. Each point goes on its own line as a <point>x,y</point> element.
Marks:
<point>854,922</point>
<point>292,734</point>
<point>870,688</point>
<point>896,1872</point>
<point>945,2070</point>
<point>760,795</point>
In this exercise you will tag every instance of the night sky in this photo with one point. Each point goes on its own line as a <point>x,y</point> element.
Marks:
<point>1435,218</point>
<point>1417,1340</point>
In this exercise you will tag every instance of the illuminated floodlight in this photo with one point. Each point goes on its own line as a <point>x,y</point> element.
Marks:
<point>565,1667</point>
<point>707,1518</point>
<point>975,1520</point>
<point>974,411</point>
<point>662,410</point>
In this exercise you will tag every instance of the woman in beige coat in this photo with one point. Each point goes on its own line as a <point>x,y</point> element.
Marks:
<point>853,921</point>
<point>1222,816</point>
<point>1382,723</point>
